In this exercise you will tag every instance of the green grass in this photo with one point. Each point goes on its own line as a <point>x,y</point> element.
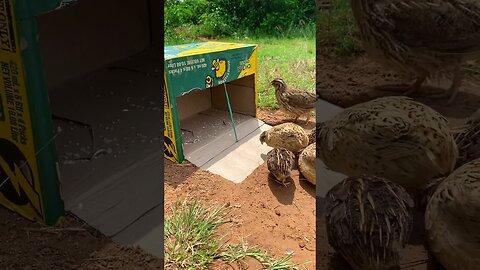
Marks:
<point>292,59</point>
<point>190,236</point>
<point>192,241</point>
<point>337,30</point>
<point>181,35</point>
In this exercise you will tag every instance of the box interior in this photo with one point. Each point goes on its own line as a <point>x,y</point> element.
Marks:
<point>204,116</point>
<point>103,71</point>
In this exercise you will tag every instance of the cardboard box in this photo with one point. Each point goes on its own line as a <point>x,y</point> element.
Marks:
<point>28,169</point>
<point>196,70</point>
<point>91,87</point>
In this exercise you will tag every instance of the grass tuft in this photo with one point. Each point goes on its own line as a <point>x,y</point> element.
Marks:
<point>238,253</point>
<point>192,241</point>
<point>191,235</point>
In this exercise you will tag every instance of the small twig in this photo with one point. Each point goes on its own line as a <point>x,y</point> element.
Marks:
<point>309,249</point>
<point>94,155</point>
<point>297,207</point>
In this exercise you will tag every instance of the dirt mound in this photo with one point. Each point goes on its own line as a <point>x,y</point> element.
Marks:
<point>27,245</point>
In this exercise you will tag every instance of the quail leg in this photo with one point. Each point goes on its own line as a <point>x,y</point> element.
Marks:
<point>308,118</point>
<point>452,91</point>
<point>409,90</point>
<point>283,182</point>
<point>286,183</point>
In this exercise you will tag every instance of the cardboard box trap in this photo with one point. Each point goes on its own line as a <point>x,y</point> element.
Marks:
<point>210,99</point>
<point>83,130</point>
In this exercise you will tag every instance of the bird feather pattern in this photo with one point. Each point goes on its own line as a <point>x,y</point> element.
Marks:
<point>452,219</point>
<point>369,219</point>
<point>393,137</point>
<point>456,24</point>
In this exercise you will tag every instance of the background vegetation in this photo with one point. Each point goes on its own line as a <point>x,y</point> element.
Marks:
<point>336,30</point>
<point>237,18</point>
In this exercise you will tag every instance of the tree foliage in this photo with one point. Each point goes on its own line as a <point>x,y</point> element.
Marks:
<point>215,18</point>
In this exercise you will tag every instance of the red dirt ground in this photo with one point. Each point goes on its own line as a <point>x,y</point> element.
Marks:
<point>275,218</point>
<point>27,245</point>
<point>349,81</point>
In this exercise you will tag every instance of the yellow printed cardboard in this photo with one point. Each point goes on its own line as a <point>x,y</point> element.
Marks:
<point>200,66</point>
<point>250,66</point>
<point>169,143</point>
<point>19,178</point>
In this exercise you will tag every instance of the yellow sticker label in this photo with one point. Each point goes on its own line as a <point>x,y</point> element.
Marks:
<point>250,67</point>
<point>169,143</point>
<point>19,179</point>
<point>210,47</point>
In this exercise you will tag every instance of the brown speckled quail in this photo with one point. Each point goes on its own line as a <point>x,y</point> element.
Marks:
<point>312,136</point>
<point>369,220</point>
<point>452,219</point>
<point>420,38</point>
<point>280,163</point>
<point>307,163</point>
<point>392,137</point>
<point>296,102</point>
<point>289,136</point>
<point>468,140</point>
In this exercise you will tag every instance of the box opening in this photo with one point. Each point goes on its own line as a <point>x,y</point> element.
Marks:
<point>204,116</point>
<point>103,72</point>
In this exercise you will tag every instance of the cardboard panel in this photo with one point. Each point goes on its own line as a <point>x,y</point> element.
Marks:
<point>113,190</point>
<point>204,65</point>
<point>91,34</point>
<point>193,103</point>
<point>241,94</point>
<point>20,187</point>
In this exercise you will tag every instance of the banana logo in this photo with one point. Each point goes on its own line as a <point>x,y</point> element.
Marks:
<point>208,81</point>
<point>220,67</point>
<point>169,148</point>
<point>245,70</point>
<point>17,183</point>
